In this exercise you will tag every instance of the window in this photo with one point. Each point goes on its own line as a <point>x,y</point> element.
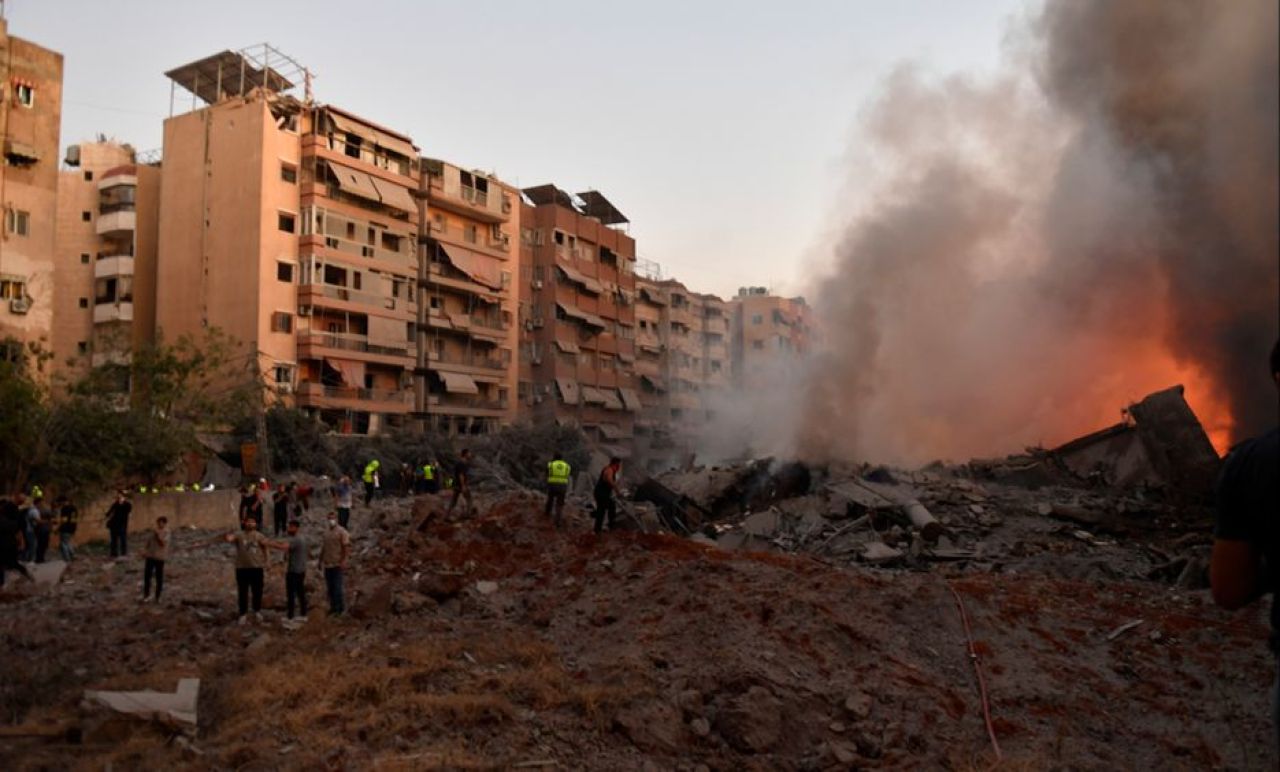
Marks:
<point>83,346</point>
<point>757,344</point>
<point>25,93</point>
<point>283,374</point>
<point>559,237</point>
<point>12,288</point>
<point>281,322</point>
<point>472,234</point>
<point>435,302</point>
<point>289,173</point>
<point>84,258</point>
<point>352,145</point>
<point>284,272</point>
<point>113,290</point>
<point>391,242</point>
<point>506,279</point>
<point>86,216</point>
<point>84,302</point>
<point>757,319</point>
<point>287,222</point>
<point>17,222</point>
<point>88,176</point>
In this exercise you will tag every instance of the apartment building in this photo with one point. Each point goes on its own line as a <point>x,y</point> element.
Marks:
<point>578,315</point>
<point>683,360</point>
<point>105,256</point>
<point>466,334</point>
<point>293,227</point>
<point>30,122</point>
<point>770,336</point>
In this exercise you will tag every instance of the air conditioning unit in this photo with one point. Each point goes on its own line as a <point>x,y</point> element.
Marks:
<point>20,305</point>
<point>537,284</point>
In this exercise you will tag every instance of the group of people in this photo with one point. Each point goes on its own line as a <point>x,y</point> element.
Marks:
<point>27,527</point>
<point>605,492</point>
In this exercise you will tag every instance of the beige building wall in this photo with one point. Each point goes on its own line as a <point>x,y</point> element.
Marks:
<point>30,122</point>
<point>771,335</point>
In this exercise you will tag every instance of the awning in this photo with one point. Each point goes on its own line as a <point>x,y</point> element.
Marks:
<point>481,269</point>
<point>582,316</point>
<point>352,372</point>
<point>611,401</point>
<point>650,348</point>
<point>568,347</point>
<point>458,383</point>
<point>394,196</point>
<point>16,149</point>
<point>631,400</point>
<point>380,137</point>
<point>592,396</point>
<point>354,182</point>
<point>568,390</point>
<point>657,384</point>
<point>588,283</point>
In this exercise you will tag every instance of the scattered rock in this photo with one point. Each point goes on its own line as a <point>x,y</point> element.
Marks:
<point>486,587</point>
<point>752,722</point>
<point>858,705</point>
<point>878,553</point>
<point>653,726</point>
<point>259,643</point>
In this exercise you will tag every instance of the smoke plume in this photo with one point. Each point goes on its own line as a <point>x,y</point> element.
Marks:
<point>1040,249</point>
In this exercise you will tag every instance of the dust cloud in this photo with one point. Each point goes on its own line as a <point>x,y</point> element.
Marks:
<point>1033,251</point>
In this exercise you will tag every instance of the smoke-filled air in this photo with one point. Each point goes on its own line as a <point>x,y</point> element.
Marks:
<point>1029,253</point>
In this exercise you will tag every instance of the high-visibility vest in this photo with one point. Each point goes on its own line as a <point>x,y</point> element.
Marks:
<point>428,472</point>
<point>37,492</point>
<point>558,472</point>
<point>369,469</point>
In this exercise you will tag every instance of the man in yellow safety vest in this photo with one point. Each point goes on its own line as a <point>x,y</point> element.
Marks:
<point>370,478</point>
<point>430,482</point>
<point>558,471</point>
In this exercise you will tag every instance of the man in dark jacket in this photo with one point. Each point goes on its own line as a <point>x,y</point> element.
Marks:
<point>118,524</point>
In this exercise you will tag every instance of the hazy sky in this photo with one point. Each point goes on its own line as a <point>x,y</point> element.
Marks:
<point>719,128</point>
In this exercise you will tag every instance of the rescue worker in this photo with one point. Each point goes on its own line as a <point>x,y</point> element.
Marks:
<point>606,488</point>
<point>430,479</point>
<point>37,492</point>
<point>462,482</point>
<point>370,478</point>
<point>558,471</point>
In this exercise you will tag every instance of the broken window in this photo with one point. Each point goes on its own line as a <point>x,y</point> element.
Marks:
<point>391,241</point>
<point>352,145</point>
<point>18,222</point>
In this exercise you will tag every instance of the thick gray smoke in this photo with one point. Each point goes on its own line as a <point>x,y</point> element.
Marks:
<point>1039,250</point>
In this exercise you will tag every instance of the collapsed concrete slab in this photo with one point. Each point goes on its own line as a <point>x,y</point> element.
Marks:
<point>47,574</point>
<point>177,709</point>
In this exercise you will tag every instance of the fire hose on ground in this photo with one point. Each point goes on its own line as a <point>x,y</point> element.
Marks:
<point>977,669</point>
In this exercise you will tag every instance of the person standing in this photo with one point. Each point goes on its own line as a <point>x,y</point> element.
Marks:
<point>68,520</point>
<point>1246,534</point>
<point>44,529</point>
<point>430,481</point>
<point>370,479</point>
<point>154,555</point>
<point>251,560</point>
<point>118,524</point>
<point>605,491</point>
<point>30,519</point>
<point>11,543</point>
<point>462,481</point>
<point>558,471</point>
<point>254,507</point>
<point>295,575</point>
<point>343,499</point>
<point>335,551</point>
<point>280,509</point>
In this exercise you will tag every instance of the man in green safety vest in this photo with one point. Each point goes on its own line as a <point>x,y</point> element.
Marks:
<point>370,478</point>
<point>430,481</point>
<point>558,471</point>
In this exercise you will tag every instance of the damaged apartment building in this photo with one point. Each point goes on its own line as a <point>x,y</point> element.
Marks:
<point>578,315</point>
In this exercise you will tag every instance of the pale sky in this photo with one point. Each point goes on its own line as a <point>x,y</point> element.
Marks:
<point>719,128</point>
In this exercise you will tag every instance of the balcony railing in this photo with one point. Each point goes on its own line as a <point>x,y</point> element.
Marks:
<point>477,197</point>
<point>352,392</point>
<point>352,343</point>
<point>354,296</point>
<point>365,250</point>
<point>469,360</point>
<point>447,401</point>
<point>119,206</point>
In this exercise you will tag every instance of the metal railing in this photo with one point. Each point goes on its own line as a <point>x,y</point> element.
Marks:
<point>469,360</point>
<point>351,343</point>
<point>352,296</point>
<point>353,392</point>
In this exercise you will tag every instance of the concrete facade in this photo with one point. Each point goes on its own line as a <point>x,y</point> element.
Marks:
<point>467,336</point>
<point>578,316</point>
<point>770,336</point>
<point>30,125</point>
<point>105,256</point>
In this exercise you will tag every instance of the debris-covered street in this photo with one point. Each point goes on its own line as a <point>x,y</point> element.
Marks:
<point>807,622</point>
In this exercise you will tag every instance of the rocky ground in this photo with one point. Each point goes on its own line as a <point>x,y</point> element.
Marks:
<point>495,641</point>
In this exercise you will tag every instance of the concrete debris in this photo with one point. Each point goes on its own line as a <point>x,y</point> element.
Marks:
<point>486,587</point>
<point>177,709</point>
<point>47,574</point>
<point>878,553</point>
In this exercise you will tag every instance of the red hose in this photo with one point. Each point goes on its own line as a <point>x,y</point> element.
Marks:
<point>977,668</point>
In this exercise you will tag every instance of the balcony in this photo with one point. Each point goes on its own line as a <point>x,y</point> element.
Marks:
<point>447,191</point>
<point>116,265</point>
<point>121,311</point>
<point>116,220</point>
<point>332,296</point>
<point>485,367</point>
<point>312,394</point>
<point>313,345</point>
<point>360,254</point>
<point>453,404</point>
